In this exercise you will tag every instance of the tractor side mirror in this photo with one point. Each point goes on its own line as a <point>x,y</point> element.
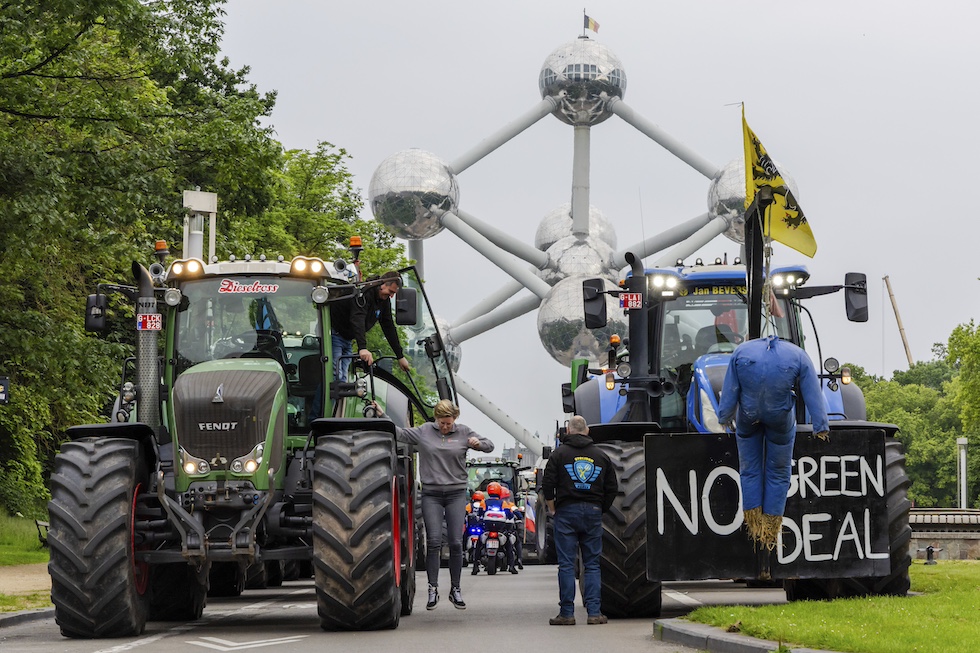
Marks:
<point>594,301</point>
<point>406,306</point>
<point>567,398</point>
<point>546,452</point>
<point>95,312</point>
<point>856,296</point>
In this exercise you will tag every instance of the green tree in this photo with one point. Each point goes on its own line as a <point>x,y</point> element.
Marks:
<point>314,211</point>
<point>963,354</point>
<point>928,428</point>
<point>108,109</point>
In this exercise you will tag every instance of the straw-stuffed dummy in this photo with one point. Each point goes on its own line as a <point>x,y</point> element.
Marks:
<point>760,382</point>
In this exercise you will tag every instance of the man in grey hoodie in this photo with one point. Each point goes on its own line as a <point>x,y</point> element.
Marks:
<point>579,485</point>
<point>442,449</point>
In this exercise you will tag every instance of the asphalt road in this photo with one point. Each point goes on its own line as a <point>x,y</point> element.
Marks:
<point>504,613</point>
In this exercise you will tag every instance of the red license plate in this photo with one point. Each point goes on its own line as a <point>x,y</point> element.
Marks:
<point>630,300</point>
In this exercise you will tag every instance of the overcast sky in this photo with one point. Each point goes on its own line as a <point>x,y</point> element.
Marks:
<point>871,107</point>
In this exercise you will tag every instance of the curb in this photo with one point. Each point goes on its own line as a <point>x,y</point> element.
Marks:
<point>14,618</point>
<point>715,640</point>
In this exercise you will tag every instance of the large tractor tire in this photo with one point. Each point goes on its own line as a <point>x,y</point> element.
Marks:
<point>896,583</point>
<point>98,587</point>
<point>256,576</point>
<point>356,531</point>
<point>626,592</point>
<point>263,575</point>
<point>275,571</point>
<point>178,592</point>
<point>226,579</point>
<point>420,546</point>
<point>544,533</point>
<point>408,491</point>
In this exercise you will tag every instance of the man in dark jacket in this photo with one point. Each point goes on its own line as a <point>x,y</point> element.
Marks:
<point>353,318</point>
<point>579,485</point>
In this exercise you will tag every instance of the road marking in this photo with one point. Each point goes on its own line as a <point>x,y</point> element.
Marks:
<point>682,598</point>
<point>183,628</point>
<point>228,645</point>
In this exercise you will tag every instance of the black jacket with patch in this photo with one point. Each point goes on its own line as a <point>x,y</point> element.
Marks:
<point>578,470</point>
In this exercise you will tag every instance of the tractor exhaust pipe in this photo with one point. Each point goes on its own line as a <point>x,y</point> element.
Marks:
<point>148,325</point>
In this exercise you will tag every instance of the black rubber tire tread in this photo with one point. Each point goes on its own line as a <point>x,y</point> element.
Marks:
<point>256,576</point>
<point>897,582</point>
<point>177,592</point>
<point>226,579</point>
<point>93,581</point>
<point>290,571</point>
<point>353,546</point>
<point>626,592</point>
<point>274,573</point>
<point>409,499</point>
<point>492,564</point>
<point>545,534</point>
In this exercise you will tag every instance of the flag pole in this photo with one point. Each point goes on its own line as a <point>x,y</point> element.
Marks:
<point>755,254</point>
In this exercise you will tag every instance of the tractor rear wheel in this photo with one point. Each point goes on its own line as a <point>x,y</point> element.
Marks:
<point>410,499</point>
<point>626,592</point>
<point>896,583</point>
<point>356,531</point>
<point>178,592</point>
<point>226,579</point>
<point>98,587</point>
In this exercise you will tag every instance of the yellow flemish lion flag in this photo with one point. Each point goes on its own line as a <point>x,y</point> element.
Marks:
<point>591,24</point>
<point>785,221</point>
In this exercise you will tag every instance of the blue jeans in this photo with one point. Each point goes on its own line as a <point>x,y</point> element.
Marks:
<point>579,525</point>
<point>765,461</point>
<point>341,347</point>
<point>449,508</point>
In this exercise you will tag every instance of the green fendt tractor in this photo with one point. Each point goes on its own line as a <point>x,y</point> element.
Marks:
<point>232,453</point>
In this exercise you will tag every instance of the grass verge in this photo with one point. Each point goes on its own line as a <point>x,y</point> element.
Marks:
<point>942,619</point>
<point>19,545</point>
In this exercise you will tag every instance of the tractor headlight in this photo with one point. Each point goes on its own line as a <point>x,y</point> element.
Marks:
<point>320,295</point>
<point>664,285</point>
<point>186,269</point>
<point>307,267</point>
<point>624,370</point>
<point>708,415</point>
<point>193,465</point>
<point>172,296</point>
<point>250,462</point>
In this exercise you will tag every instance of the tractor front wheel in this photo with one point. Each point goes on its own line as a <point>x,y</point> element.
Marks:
<point>356,538</point>
<point>98,587</point>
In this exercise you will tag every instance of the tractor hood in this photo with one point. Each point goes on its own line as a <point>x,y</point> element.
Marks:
<point>224,408</point>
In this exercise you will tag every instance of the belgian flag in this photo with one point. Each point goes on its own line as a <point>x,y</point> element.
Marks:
<point>591,24</point>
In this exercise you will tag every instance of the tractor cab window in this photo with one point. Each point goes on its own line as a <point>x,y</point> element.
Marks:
<point>707,320</point>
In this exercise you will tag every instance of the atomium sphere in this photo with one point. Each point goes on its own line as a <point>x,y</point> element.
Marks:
<point>409,192</point>
<point>574,257</point>
<point>577,74</point>
<point>561,323</point>
<point>726,196</point>
<point>558,224</point>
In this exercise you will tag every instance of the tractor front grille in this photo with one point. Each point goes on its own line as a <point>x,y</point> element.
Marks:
<point>224,413</point>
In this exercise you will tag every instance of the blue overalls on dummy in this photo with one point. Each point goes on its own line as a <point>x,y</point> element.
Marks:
<point>760,381</point>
